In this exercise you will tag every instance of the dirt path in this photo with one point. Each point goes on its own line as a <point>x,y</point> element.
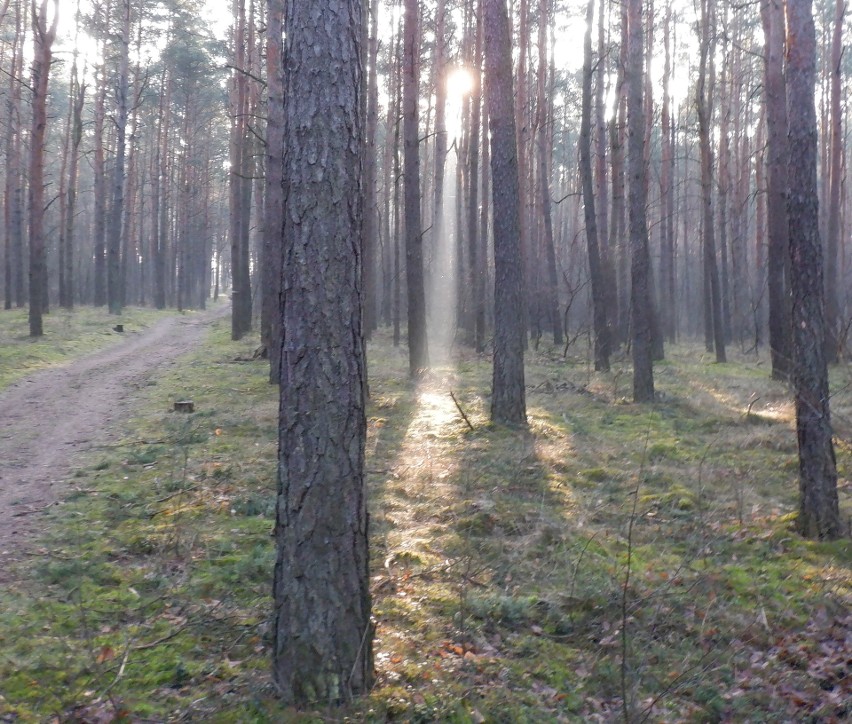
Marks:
<point>48,418</point>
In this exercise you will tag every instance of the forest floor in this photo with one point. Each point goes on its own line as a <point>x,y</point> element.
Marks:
<point>612,562</point>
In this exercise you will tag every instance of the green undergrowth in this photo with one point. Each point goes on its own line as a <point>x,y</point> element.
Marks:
<point>611,562</point>
<point>67,335</point>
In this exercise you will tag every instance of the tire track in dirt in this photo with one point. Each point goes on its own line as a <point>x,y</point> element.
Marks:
<point>50,417</point>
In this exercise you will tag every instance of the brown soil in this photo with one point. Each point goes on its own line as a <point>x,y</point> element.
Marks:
<point>51,417</point>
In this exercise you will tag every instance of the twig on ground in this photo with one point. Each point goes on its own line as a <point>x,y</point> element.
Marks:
<point>458,407</point>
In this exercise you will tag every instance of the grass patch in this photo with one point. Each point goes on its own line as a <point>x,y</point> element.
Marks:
<point>500,578</point>
<point>67,335</point>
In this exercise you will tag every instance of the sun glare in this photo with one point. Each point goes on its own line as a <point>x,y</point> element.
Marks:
<point>460,82</point>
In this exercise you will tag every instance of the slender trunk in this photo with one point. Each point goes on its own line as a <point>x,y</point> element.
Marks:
<point>640,266</point>
<point>273,222</point>
<point>43,36</point>
<point>418,354</point>
<point>601,325</point>
<point>832,245</point>
<point>704,94</point>
<point>114,290</point>
<point>775,93</point>
<point>477,260</point>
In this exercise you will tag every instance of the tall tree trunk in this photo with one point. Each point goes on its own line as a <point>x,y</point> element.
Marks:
<point>99,171</point>
<point>274,206</point>
<point>775,94</point>
<point>477,260</point>
<point>323,651</point>
<point>441,141</point>
<point>371,206</point>
<point>522,130</point>
<point>819,515</point>
<point>550,291</point>
<point>667,254</point>
<point>78,100</point>
<point>508,401</point>
<point>240,185</point>
<point>832,245</point>
<point>596,272</point>
<point>13,201</point>
<point>620,302</point>
<point>418,353</point>
<point>43,37</point>
<point>114,291</point>
<point>704,106</point>
<point>640,263</point>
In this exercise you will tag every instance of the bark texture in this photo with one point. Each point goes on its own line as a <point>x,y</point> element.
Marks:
<point>508,401</point>
<point>43,37</point>
<point>596,268</point>
<point>323,633</point>
<point>418,351</point>
<point>819,515</point>
<point>640,263</point>
<point>775,94</point>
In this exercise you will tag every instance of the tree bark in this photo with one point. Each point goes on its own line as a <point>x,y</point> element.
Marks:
<point>640,265</point>
<point>596,268</point>
<point>819,515</point>
<point>508,401</point>
<point>477,259</point>
<point>775,94</point>
<point>114,291</point>
<point>43,37</point>
<point>704,95</point>
<point>832,242</point>
<point>323,633</point>
<point>418,352</point>
<point>274,206</point>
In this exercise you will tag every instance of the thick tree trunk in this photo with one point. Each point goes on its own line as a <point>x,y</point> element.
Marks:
<point>323,633</point>
<point>640,264</point>
<point>418,353</point>
<point>508,402</point>
<point>819,515</point>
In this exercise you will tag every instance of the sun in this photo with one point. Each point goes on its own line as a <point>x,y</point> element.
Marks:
<point>460,82</point>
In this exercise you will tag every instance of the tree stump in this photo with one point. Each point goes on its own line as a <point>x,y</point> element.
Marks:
<point>184,406</point>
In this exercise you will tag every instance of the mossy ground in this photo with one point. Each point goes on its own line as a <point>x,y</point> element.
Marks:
<point>612,560</point>
<point>67,335</point>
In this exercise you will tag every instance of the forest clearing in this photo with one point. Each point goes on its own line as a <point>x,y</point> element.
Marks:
<point>516,575</point>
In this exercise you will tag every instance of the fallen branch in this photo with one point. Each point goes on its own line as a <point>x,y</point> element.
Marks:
<point>461,412</point>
